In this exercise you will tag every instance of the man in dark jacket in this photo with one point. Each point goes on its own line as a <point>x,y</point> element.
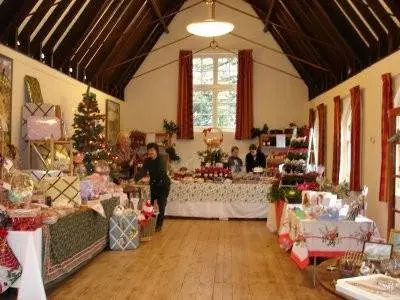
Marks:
<point>156,166</point>
<point>255,158</point>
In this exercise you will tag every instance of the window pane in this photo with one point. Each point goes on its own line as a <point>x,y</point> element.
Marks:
<point>202,70</point>
<point>227,70</point>
<point>202,108</point>
<point>226,109</point>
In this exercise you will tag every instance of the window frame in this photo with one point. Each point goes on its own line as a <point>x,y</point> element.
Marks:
<point>215,88</point>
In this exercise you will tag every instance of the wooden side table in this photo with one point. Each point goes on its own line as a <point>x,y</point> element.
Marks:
<point>50,147</point>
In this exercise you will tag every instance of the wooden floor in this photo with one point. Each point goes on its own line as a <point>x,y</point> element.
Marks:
<point>195,259</point>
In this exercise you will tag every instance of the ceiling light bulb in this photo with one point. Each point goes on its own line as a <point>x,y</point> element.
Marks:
<point>70,69</point>
<point>210,28</point>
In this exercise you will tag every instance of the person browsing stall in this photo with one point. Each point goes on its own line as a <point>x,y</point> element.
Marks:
<point>156,167</point>
<point>234,161</point>
<point>255,158</point>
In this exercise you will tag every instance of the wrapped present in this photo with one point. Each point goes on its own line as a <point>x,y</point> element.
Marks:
<point>64,191</point>
<point>124,230</point>
<point>25,219</point>
<point>35,109</point>
<point>86,186</point>
<point>147,221</point>
<point>43,128</point>
<point>39,175</point>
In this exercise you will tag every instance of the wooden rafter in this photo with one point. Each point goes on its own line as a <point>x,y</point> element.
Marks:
<point>35,19</point>
<point>269,14</point>
<point>159,15</point>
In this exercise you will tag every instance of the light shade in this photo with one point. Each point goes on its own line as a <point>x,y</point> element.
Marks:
<point>210,28</point>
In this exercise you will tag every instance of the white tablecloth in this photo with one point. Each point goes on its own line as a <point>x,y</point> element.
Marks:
<point>27,247</point>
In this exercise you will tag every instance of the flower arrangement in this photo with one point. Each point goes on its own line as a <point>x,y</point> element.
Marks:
<point>213,156</point>
<point>170,127</point>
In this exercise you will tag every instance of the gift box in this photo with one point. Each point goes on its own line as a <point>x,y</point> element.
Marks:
<point>32,90</point>
<point>86,186</point>
<point>36,109</point>
<point>124,231</point>
<point>43,128</point>
<point>39,175</point>
<point>64,191</point>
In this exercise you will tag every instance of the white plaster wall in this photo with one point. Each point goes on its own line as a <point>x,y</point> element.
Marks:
<point>370,83</point>
<point>278,98</point>
<point>57,88</point>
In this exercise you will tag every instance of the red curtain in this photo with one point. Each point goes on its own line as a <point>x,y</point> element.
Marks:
<point>244,101</point>
<point>321,109</point>
<point>355,170</point>
<point>337,117</point>
<point>311,118</point>
<point>387,104</point>
<point>185,94</point>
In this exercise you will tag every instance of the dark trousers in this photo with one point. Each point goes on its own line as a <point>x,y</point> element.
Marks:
<point>160,193</point>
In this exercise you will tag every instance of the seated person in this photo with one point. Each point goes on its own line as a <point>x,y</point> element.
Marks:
<point>255,158</point>
<point>234,161</point>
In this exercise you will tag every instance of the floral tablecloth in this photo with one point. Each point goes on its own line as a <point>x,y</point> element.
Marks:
<point>313,238</point>
<point>214,192</point>
<point>214,200</point>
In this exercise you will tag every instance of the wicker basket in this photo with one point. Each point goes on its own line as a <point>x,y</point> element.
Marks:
<point>147,230</point>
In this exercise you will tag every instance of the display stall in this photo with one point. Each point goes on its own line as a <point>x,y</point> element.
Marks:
<point>322,238</point>
<point>74,240</point>
<point>216,200</point>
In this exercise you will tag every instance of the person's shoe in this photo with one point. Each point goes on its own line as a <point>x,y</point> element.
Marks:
<point>158,229</point>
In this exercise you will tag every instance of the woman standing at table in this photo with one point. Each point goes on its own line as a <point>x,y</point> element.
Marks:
<point>156,166</point>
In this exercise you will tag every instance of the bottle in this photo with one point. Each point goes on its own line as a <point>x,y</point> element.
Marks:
<point>48,201</point>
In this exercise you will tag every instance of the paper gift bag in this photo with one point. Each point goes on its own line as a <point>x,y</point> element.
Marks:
<point>43,128</point>
<point>124,232</point>
<point>64,191</point>
<point>32,90</point>
<point>35,109</point>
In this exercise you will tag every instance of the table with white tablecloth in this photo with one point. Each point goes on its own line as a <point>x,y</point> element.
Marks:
<point>217,200</point>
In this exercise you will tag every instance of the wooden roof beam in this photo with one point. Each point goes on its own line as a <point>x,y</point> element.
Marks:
<point>159,15</point>
<point>121,39</point>
<point>269,14</point>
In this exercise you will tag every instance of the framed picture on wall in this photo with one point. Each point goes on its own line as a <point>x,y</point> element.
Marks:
<point>394,239</point>
<point>6,68</point>
<point>112,121</point>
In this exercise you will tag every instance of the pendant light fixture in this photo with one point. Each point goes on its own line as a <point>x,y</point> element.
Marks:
<point>210,27</point>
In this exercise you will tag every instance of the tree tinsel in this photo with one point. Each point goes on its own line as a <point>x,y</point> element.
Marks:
<point>89,131</point>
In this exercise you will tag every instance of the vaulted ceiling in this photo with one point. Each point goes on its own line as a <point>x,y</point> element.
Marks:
<point>105,41</point>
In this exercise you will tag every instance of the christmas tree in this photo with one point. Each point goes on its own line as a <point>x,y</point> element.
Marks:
<point>89,136</point>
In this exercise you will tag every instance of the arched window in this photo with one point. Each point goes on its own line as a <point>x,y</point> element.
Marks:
<point>345,141</point>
